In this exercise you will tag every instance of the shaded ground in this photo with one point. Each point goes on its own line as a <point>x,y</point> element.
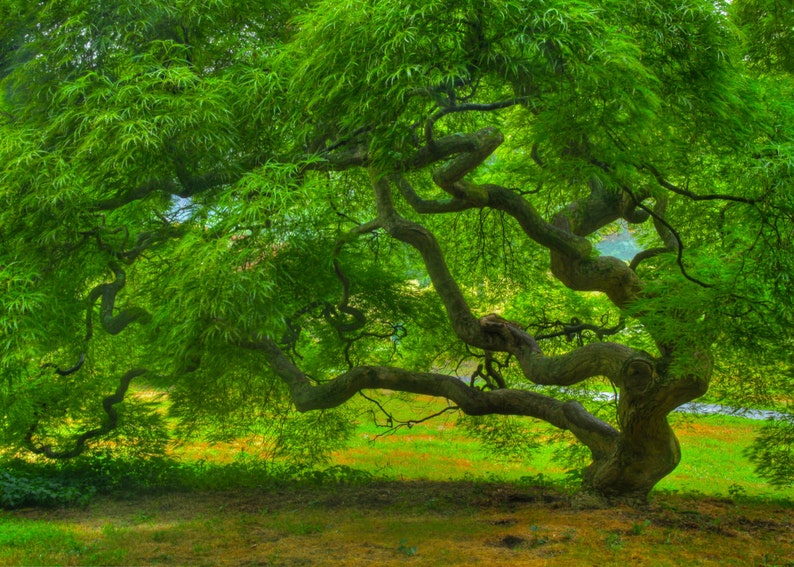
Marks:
<point>398,523</point>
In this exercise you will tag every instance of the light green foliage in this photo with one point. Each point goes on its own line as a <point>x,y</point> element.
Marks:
<point>505,438</point>
<point>205,156</point>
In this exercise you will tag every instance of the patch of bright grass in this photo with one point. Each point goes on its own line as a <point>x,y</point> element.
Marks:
<point>713,461</point>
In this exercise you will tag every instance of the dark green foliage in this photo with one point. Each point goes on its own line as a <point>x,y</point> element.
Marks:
<point>768,27</point>
<point>773,452</point>
<point>24,484</point>
<point>18,490</point>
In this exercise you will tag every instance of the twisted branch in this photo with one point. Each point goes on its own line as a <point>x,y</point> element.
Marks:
<point>80,441</point>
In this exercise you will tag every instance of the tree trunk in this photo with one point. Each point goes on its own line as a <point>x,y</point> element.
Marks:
<point>646,450</point>
<point>635,464</point>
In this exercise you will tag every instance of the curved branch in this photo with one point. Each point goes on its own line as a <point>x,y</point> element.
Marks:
<point>66,372</point>
<point>645,255</point>
<point>450,178</point>
<point>108,291</point>
<point>491,332</point>
<point>359,320</point>
<point>425,206</point>
<point>679,249</point>
<point>468,107</point>
<point>671,243</point>
<point>464,323</point>
<point>693,196</point>
<point>80,441</point>
<point>593,359</point>
<point>579,272</point>
<point>595,433</point>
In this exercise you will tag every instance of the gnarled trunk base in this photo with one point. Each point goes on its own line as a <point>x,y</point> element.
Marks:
<point>634,467</point>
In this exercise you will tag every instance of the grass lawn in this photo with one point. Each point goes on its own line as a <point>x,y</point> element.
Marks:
<point>713,460</point>
<point>397,523</point>
<point>434,498</point>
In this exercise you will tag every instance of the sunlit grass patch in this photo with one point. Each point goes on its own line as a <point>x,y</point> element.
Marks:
<point>713,459</point>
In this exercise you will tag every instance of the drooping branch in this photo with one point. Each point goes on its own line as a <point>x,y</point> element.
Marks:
<point>694,196</point>
<point>110,423</point>
<point>672,240</point>
<point>668,237</point>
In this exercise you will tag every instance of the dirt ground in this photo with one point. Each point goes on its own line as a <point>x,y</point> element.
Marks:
<point>410,523</point>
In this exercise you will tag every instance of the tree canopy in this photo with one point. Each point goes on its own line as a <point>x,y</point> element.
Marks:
<point>257,207</point>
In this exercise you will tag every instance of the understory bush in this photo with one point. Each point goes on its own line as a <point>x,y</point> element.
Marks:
<point>24,483</point>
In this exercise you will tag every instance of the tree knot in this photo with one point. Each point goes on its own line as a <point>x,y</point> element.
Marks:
<point>639,374</point>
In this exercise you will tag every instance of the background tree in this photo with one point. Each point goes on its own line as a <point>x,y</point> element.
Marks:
<point>259,204</point>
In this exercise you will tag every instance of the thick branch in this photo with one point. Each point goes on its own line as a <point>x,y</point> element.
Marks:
<point>307,396</point>
<point>426,206</point>
<point>605,273</point>
<point>450,178</point>
<point>544,233</point>
<point>491,332</point>
<point>593,359</point>
<point>464,323</point>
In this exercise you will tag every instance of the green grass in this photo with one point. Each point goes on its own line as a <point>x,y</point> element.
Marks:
<point>713,461</point>
<point>396,523</point>
<point>424,495</point>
